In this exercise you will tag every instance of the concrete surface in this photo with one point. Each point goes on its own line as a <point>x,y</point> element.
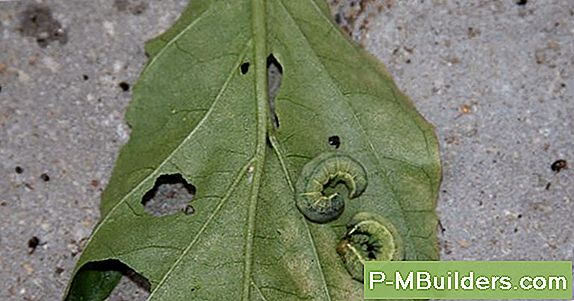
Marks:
<point>495,77</point>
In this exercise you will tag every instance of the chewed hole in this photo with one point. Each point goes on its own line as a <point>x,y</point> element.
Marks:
<point>107,274</point>
<point>244,68</point>
<point>274,77</point>
<point>170,194</point>
<point>132,286</point>
<point>335,141</point>
<point>272,61</point>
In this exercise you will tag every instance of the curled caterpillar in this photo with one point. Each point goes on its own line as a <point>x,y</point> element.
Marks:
<point>318,193</point>
<point>369,237</point>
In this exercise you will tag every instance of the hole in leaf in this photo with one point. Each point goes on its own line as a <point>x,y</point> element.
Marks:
<point>272,61</point>
<point>97,280</point>
<point>244,68</point>
<point>188,210</point>
<point>274,76</point>
<point>170,194</point>
<point>132,286</point>
<point>335,141</point>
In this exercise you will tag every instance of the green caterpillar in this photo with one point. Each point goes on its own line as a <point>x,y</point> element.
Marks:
<point>369,237</point>
<point>318,193</point>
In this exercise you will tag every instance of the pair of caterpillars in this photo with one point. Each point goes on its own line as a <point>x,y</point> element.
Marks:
<point>320,198</point>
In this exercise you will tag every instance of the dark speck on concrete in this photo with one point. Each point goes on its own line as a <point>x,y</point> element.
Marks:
<point>124,86</point>
<point>58,270</point>
<point>37,21</point>
<point>121,5</point>
<point>33,244</point>
<point>559,165</point>
<point>136,8</point>
<point>18,170</point>
<point>521,2</point>
<point>45,177</point>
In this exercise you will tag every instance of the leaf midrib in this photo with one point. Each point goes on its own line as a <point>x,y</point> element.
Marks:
<point>259,36</point>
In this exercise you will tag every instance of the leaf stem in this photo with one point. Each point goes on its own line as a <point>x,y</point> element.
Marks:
<point>258,14</point>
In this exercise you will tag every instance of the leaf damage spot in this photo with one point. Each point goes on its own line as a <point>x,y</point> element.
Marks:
<point>335,141</point>
<point>250,172</point>
<point>274,78</point>
<point>188,210</point>
<point>171,194</point>
<point>244,68</point>
<point>101,277</point>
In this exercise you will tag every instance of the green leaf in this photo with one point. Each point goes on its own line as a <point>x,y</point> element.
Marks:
<point>201,110</point>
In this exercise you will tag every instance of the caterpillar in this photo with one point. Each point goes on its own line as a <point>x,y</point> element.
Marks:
<point>369,237</point>
<point>317,192</point>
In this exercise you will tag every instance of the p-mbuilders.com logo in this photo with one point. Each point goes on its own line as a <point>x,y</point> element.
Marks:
<point>468,280</point>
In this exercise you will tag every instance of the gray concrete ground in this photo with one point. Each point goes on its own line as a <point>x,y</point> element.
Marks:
<point>495,77</point>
